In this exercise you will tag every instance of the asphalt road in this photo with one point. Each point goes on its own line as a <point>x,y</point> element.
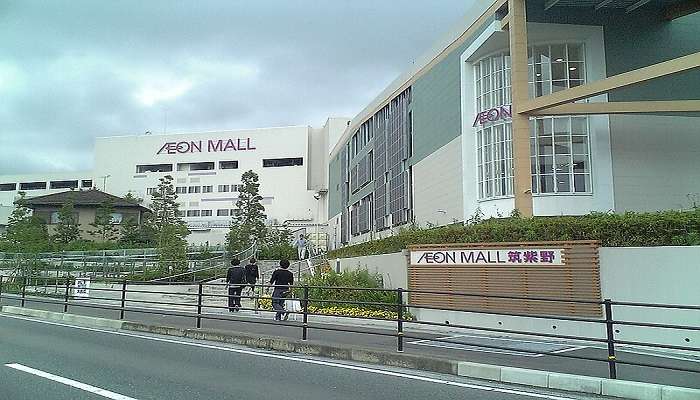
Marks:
<point>470,351</point>
<point>40,360</point>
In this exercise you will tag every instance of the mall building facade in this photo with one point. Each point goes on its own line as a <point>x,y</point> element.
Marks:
<point>436,146</point>
<point>206,169</point>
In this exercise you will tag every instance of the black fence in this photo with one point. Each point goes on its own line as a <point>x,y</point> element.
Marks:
<point>396,302</point>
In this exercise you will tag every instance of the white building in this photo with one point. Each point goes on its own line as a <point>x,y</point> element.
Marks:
<point>206,169</point>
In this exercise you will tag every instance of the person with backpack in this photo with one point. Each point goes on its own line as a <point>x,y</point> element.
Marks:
<point>235,277</point>
<point>252,274</point>
<point>282,279</point>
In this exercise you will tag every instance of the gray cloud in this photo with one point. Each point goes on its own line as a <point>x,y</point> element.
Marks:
<point>74,70</point>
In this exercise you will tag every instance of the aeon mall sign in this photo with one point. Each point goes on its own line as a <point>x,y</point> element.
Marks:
<point>494,114</point>
<point>208,146</point>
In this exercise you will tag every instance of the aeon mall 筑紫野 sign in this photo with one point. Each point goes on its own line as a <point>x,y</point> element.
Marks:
<point>518,256</point>
<point>208,146</point>
<point>503,112</point>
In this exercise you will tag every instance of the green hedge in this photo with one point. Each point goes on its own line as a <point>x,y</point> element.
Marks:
<point>668,228</point>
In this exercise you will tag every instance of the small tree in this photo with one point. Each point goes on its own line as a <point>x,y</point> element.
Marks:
<point>133,199</point>
<point>248,221</point>
<point>105,228</point>
<point>25,232</point>
<point>169,229</point>
<point>129,232</point>
<point>67,228</point>
<point>278,245</point>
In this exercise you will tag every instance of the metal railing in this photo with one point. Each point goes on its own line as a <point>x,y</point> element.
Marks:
<point>395,302</point>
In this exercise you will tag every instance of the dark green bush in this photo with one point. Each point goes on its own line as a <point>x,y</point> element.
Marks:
<point>347,279</point>
<point>667,228</point>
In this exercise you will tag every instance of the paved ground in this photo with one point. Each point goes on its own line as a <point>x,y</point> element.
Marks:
<point>470,351</point>
<point>40,360</point>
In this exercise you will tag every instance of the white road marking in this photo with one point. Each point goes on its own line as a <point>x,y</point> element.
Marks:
<point>308,361</point>
<point>568,349</point>
<point>70,382</point>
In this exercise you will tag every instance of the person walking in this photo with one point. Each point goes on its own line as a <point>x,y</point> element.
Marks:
<point>235,277</point>
<point>282,279</point>
<point>252,274</point>
<point>301,244</point>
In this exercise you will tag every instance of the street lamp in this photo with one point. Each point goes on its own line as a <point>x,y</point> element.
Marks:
<point>104,182</point>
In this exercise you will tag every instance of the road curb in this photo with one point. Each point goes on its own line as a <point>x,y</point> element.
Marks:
<point>82,320</point>
<point>528,377</point>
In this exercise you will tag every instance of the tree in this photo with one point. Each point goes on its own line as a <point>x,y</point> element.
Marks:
<point>25,232</point>
<point>105,228</point>
<point>278,245</point>
<point>133,199</point>
<point>131,233</point>
<point>67,228</point>
<point>168,228</point>
<point>248,221</point>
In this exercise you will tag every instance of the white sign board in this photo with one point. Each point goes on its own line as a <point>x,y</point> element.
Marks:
<point>82,287</point>
<point>518,256</point>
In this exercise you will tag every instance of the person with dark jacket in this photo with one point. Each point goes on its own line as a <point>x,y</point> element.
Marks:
<point>252,274</point>
<point>235,277</point>
<point>282,278</point>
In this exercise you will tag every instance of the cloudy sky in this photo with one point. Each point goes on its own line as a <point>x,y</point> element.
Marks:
<point>72,70</point>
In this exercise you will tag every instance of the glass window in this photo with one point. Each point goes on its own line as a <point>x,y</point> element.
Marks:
<point>140,169</point>
<point>86,183</point>
<point>283,162</point>
<point>193,213</point>
<point>560,155</point>
<point>117,218</point>
<point>206,213</point>
<point>6,187</point>
<point>194,189</point>
<point>207,189</point>
<point>222,212</point>
<point>228,164</point>
<point>223,188</point>
<point>63,184</point>
<point>181,189</point>
<point>32,185</point>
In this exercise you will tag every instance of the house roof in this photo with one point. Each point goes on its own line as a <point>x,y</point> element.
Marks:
<point>91,197</point>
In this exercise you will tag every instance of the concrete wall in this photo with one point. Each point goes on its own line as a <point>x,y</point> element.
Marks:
<point>437,185</point>
<point>391,266</point>
<point>656,160</point>
<point>663,275</point>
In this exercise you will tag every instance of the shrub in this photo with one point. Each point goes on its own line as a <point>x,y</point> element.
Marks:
<point>265,303</point>
<point>331,296</point>
<point>667,228</point>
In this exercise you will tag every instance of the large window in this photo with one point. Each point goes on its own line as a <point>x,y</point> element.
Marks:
<point>228,164</point>
<point>181,189</point>
<point>198,166</point>
<point>154,168</point>
<point>32,185</point>
<point>495,161</point>
<point>63,184</point>
<point>283,162</point>
<point>559,147</point>
<point>560,155</point>
<point>6,187</point>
